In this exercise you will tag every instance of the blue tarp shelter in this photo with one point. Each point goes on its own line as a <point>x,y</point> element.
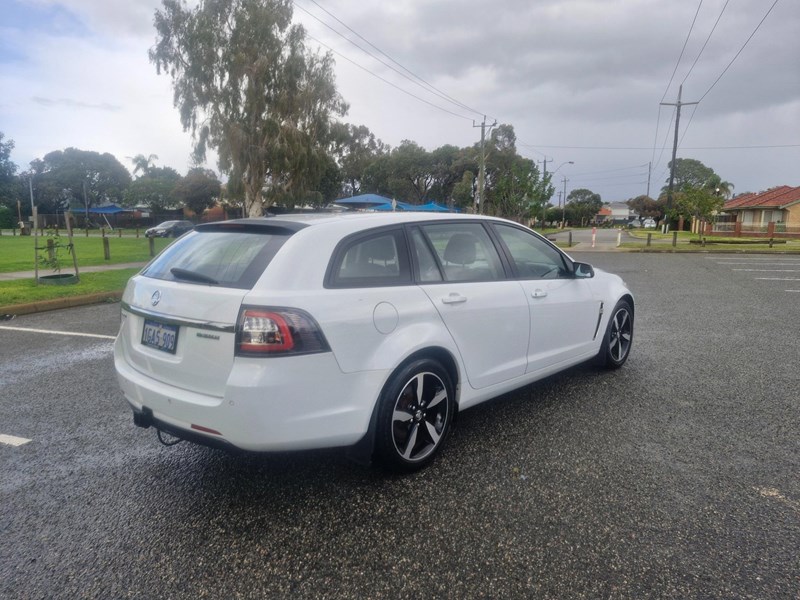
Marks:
<point>432,207</point>
<point>110,209</point>
<point>363,201</point>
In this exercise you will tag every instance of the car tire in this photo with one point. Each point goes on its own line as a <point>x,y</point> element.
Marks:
<point>618,338</point>
<point>415,413</point>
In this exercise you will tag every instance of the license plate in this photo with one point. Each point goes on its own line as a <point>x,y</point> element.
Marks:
<point>160,336</point>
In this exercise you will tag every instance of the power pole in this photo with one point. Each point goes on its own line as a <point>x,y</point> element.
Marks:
<point>479,200</point>
<point>544,179</point>
<point>564,207</point>
<point>678,105</point>
<point>649,170</point>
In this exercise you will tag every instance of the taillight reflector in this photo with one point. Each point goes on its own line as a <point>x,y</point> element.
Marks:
<point>263,331</point>
<point>271,331</point>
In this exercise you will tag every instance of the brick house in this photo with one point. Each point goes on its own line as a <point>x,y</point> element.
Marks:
<point>775,211</point>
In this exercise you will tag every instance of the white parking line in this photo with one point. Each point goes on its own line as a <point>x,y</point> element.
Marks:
<point>769,270</point>
<point>12,440</point>
<point>777,279</point>
<point>70,333</point>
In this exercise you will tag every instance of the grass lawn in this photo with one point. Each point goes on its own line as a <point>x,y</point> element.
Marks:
<point>22,291</point>
<point>17,252</point>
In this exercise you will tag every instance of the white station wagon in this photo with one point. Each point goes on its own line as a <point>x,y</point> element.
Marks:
<point>361,330</point>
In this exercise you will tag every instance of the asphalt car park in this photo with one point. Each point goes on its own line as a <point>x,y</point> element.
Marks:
<point>675,476</point>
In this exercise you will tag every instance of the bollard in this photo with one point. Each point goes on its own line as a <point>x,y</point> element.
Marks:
<point>119,233</point>
<point>152,243</point>
<point>703,242</point>
<point>649,239</point>
<point>137,233</point>
<point>570,240</point>
<point>106,249</point>
<point>87,232</point>
<point>770,242</point>
<point>674,238</point>
<point>619,238</point>
<point>51,249</point>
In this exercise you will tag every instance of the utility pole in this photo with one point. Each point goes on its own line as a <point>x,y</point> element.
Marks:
<point>564,207</point>
<point>678,105</point>
<point>479,200</point>
<point>544,179</point>
<point>649,170</point>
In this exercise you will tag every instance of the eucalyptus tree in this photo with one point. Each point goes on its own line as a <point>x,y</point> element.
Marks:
<point>246,85</point>
<point>355,148</point>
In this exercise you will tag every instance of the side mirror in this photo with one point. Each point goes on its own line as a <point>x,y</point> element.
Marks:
<point>582,271</point>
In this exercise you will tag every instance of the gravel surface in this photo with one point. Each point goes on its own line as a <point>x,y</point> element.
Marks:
<point>674,477</point>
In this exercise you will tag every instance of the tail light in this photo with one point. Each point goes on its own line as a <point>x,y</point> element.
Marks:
<point>278,331</point>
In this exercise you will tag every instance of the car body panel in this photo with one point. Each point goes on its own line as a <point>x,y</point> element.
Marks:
<point>502,336</point>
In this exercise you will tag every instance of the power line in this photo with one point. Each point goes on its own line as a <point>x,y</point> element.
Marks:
<point>688,35</point>
<point>427,87</point>
<point>756,147</point>
<point>438,92</point>
<point>725,70</point>
<point>705,43</point>
<point>350,60</point>
<point>609,170</point>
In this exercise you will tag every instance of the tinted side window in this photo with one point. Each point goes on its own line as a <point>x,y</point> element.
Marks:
<point>533,258</point>
<point>465,252</point>
<point>428,268</point>
<point>376,260</point>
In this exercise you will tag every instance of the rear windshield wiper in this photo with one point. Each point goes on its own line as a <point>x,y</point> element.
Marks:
<point>192,276</point>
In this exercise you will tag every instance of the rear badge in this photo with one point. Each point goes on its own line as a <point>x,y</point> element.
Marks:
<point>155,298</point>
<point>208,336</point>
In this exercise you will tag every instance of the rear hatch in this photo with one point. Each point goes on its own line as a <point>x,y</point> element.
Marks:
<point>179,314</point>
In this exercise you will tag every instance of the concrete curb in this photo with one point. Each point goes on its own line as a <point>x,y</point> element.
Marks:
<point>57,303</point>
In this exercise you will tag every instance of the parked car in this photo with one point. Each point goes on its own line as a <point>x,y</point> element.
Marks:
<point>169,229</point>
<point>649,223</point>
<point>367,330</point>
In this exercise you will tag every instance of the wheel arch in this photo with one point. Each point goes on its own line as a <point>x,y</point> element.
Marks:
<point>363,450</point>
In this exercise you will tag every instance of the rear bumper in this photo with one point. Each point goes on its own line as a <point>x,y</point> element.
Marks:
<point>293,403</point>
<point>144,418</point>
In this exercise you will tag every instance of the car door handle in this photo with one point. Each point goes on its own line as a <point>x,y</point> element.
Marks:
<point>454,299</point>
<point>538,293</point>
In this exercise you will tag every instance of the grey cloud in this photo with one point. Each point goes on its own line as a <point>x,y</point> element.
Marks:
<point>69,103</point>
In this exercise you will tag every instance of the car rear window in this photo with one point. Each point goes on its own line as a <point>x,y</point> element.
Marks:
<point>233,259</point>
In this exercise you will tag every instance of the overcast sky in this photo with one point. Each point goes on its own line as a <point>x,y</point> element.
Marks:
<point>580,80</point>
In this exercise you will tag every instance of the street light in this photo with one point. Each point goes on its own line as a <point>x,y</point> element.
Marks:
<point>544,203</point>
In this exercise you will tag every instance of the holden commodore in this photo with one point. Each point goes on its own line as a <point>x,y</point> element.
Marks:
<point>369,331</point>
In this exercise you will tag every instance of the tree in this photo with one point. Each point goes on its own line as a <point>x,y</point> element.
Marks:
<point>519,192</point>
<point>582,205</point>
<point>8,182</point>
<point>77,177</point>
<point>197,191</point>
<point>156,189</point>
<point>700,203</point>
<point>143,163</point>
<point>645,206</point>
<point>246,85</point>
<point>355,147</point>
<point>691,173</point>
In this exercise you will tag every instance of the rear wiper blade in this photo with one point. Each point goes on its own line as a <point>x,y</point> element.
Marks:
<point>192,276</point>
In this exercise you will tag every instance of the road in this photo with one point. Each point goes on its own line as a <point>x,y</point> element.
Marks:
<point>675,477</point>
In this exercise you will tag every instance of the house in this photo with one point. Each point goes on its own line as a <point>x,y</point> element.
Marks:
<point>775,211</point>
<point>616,213</point>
